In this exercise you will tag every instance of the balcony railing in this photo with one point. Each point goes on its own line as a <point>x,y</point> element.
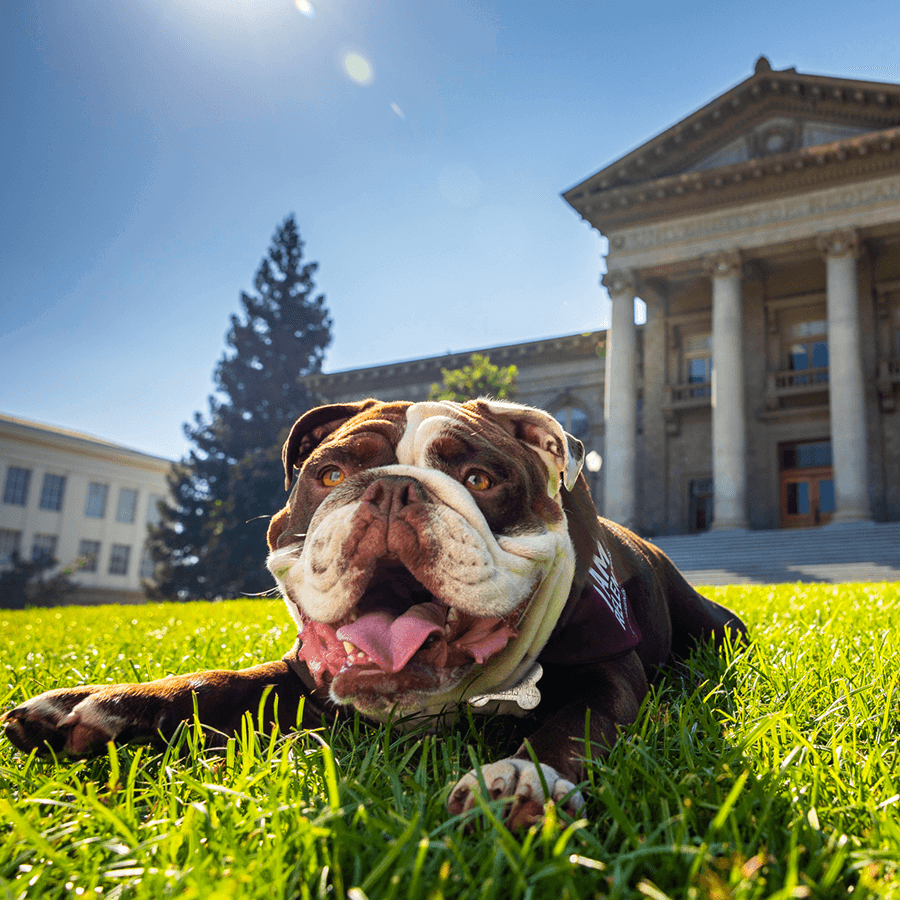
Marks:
<point>799,381</point>
<point>682,397</point>
<point>688,396</point>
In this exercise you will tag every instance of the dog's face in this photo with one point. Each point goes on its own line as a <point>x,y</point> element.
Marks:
<point>416,539</point>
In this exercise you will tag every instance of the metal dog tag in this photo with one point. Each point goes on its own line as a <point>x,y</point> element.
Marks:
<point>525,693</point>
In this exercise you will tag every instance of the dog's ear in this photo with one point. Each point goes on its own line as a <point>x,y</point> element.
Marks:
<point>561,452</point>
<point>312,428</point>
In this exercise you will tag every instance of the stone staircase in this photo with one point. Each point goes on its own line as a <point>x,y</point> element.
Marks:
<point>834,553</point>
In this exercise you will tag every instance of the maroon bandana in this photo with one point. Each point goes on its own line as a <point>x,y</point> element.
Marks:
<point>597,625</point>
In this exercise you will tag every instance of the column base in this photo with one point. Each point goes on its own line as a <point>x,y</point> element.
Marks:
<point>728,525</point>
<point>851,517</point>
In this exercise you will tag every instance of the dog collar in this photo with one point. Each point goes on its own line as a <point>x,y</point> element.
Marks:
<point>514,667</point>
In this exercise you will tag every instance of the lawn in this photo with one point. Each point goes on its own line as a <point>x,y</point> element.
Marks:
<point>771,774</point>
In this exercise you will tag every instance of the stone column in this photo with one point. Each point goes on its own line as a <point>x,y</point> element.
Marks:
<point>729,429</point>
<point>620,402</point>
<point>846,380</point>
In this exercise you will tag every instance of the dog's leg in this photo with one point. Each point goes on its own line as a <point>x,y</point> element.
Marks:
<point>613,692</point>
<point>80,721</point>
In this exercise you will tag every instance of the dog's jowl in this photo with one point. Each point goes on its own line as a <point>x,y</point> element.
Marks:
<point>434,555</point>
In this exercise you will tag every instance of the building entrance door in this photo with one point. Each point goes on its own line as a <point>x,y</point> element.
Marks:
<point>807,489</point>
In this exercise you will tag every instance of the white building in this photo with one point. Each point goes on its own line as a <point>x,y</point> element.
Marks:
<point>72,496</point>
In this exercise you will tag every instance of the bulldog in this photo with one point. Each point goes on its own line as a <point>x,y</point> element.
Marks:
<point>434,555</point>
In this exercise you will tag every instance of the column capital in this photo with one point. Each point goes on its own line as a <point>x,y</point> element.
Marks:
<point>620,281</point>
<point>725,264</point>
<point>843,242</point>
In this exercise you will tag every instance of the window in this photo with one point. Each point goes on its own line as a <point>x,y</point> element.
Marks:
<point>10,544</point>
<point>575,422</point>
<point>16,491</point>
<point>897,331</point>
<point>810,455</point>
<point>52,492</point>
<point>148,566</point>
<point>806,346</point>
<point>127,506</point>
<point>118,559</point>
<point>153,514</point>
<point>96,500</point>
<point>700,512</point>
<point>89,553</point>
<point>697,356</point>
<point>797,498</point>
<point>43,548</point>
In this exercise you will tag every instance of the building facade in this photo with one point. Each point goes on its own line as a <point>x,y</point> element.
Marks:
<point>763,234</point>
<point>69,496</point>
<point>564,375</point>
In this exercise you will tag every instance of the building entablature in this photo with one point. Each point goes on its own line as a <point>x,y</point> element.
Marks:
<point>779,226</point>
<point>48,437</point>
<point>374,378</point>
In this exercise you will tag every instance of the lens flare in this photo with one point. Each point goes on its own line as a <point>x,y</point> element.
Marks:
<point>399,112</point>
<point>358,68</point>
<point>304,7</point>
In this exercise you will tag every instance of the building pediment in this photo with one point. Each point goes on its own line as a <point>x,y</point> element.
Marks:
<point>775,123</point>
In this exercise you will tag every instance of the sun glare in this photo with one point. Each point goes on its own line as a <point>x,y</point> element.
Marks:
<point>358,68</point>
<point>305,8</point>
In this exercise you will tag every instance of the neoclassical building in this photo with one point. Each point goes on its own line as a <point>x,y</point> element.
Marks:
<point>763,234</point>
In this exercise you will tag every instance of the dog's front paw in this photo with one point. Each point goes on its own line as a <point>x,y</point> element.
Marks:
<point>66,721</point>
<point>519,780</point>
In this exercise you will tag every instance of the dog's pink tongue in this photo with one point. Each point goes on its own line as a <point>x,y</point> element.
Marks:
<point>392,642</point>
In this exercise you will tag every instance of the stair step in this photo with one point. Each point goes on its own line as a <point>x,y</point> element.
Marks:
<point>834,553</point>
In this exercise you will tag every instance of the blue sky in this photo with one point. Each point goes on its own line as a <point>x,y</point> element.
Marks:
<point>150,149</point>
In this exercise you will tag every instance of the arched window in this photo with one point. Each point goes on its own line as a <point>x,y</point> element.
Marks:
<point>575,421</point>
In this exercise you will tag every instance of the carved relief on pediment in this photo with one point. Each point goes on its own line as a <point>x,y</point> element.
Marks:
<point>776,135</point>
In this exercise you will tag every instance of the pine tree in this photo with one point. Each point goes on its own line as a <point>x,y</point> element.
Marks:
<point>211,542</point>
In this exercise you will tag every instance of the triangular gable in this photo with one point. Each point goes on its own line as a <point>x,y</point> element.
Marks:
<point>749,121</point>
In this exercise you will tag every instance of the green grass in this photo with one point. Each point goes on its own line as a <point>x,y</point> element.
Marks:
<point>772,774</point>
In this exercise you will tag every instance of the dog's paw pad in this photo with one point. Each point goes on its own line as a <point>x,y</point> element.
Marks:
<point>520,780</point>
<point>61,721</point>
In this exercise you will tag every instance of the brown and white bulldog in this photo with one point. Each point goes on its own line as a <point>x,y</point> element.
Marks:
<point>433,555</point>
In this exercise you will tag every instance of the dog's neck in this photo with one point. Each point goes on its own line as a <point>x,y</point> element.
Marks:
<point>512,664</point>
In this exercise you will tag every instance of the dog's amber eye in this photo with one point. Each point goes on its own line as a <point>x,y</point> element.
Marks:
<point>478,481</point>
<point>332,477</point>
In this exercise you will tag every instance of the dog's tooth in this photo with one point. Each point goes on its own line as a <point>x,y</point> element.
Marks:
<point>349,648</point>
<point>452,615</point>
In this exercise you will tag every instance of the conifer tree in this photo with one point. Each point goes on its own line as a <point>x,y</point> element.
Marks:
<point>211,541</point>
